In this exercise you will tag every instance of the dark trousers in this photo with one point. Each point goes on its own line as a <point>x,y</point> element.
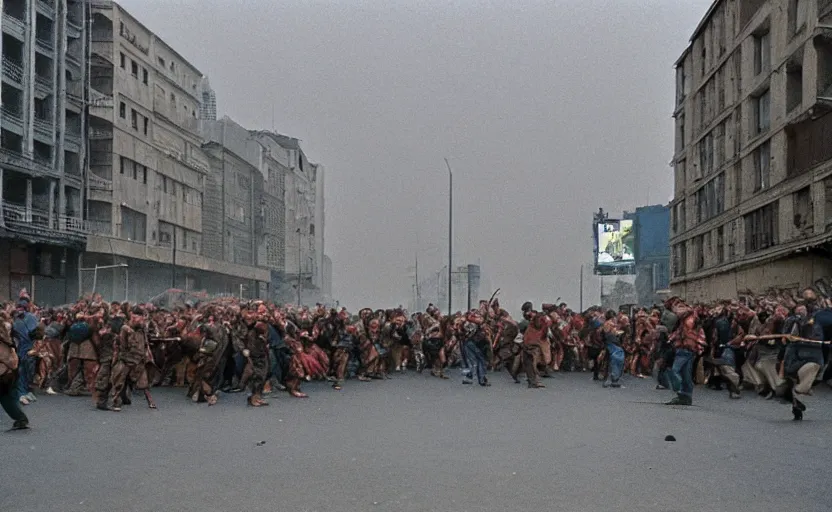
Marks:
<point>26,371</point>
<point>476,360</point>
<point>10,401</point>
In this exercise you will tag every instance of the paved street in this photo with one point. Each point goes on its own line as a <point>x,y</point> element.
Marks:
<point>418,444</point>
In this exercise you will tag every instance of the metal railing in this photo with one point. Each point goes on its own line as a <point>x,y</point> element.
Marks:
<point>45,126</point>
<point>47,6</point>
<point>11,114</point>
<point>13,70</point>
<point>100,133</point>
<point>44,45</point>
<point>99,99</point>
<point>43,83</point>
<point>12,20</point>
<point>18,216</point>
<point>72,60</point>
<point>99,183</point>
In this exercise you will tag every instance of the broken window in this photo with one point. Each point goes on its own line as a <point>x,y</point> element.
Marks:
<point>762,52</point>
<point>762,112</point>
<point>762,162</point>
<point>803,211</point>
<point>761,228</point>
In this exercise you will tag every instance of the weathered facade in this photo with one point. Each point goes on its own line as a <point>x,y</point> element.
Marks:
<point>148,171</point>
<point>300,249</point>
<point>42,147</point>
<point>753,159</point>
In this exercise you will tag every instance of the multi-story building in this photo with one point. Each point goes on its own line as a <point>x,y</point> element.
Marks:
<point>148,170</point>
<point>302,243</point>
<point>208,106</point>
<point>42,145</point>
<point>753,159</point>
<point>237,226</point>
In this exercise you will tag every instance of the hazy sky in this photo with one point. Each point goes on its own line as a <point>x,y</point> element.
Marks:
<point>546,111</point>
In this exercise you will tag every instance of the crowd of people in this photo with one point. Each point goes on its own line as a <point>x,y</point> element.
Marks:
<point>109,351</point>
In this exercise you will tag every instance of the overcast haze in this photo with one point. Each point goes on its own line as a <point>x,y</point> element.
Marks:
<point>546,111</point>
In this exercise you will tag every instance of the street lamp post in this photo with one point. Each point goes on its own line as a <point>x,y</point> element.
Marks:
<point>450,233</point>
<point>299,265</point>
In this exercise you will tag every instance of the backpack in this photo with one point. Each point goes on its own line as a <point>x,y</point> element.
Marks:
<point>78,332</point>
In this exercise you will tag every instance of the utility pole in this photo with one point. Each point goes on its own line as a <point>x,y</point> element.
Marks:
<point>173,261</point>
<point>299,281</point>
<point>450,234</point>
<point>582,290</point>
<point>418,293</point>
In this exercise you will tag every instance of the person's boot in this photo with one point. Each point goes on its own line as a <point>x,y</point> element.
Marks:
<point>798,414</point>
<point>20,424</point>
<point>681,399</point>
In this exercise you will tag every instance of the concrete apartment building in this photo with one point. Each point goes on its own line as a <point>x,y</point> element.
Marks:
<point>753,160</point>
<point>42,148</point>
<point>302,244</point>
<point>148,170</point>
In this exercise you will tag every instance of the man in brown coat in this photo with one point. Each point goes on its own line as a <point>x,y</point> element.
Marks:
<point>130,358</point>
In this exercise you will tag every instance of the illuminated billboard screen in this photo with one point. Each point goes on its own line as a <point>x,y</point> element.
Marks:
<point>616,245</point>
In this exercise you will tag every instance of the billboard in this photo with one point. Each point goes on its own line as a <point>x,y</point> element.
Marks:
<point>615,246</point>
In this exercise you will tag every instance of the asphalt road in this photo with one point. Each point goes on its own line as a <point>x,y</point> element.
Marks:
<point>416,443</point>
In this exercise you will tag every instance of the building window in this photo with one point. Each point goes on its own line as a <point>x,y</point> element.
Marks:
<point>144,175</point>
<point>681,84</point>
<point>144,76</point>
<point>706,155</point>
<point>165,184</point>
<point>172,66</point>
<point>679,259</point>
<point>133,225</point>
<point>122,59</point>
<point>761,228</point>
<point>134,119</point>
<point>762,52</point>
<point>122,164</point>
<point>762,112</point>
<point>720,245</point>
<point>794,86</point>
<point>122,110</point>
<point>798,14</point>
<point>762,163</point>
<point>680,132</point>
<point>804,218</point>
<point>173,98</point>
<point>135,171</point>
<point>146,122</point>
<point>134,68</point>
<point>710,199</point>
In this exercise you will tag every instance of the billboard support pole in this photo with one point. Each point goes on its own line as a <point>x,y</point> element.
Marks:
<point>581,294</point>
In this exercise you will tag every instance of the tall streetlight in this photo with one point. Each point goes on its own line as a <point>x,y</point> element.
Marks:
<point>299,256</point>
<point>450,233</point>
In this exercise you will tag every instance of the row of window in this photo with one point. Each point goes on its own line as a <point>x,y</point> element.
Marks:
<point>131,168</point>
<point>136,119</point>
<point>134,68</point>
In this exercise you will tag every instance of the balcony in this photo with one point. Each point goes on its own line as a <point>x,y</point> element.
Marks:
<point>99,99</point>
<point>43,85</point>
<point>13,26</point>
<point>72,62</point>
<point>13,72</point>
<point>12,119</point>
<point>73,27</point>
<point>38,223</point>
<point>26,163</point>
<point>99,183</point>
<point>100,134</point>
<point>44,46</point>
<point>44,127</point>
<point>46,7</point>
